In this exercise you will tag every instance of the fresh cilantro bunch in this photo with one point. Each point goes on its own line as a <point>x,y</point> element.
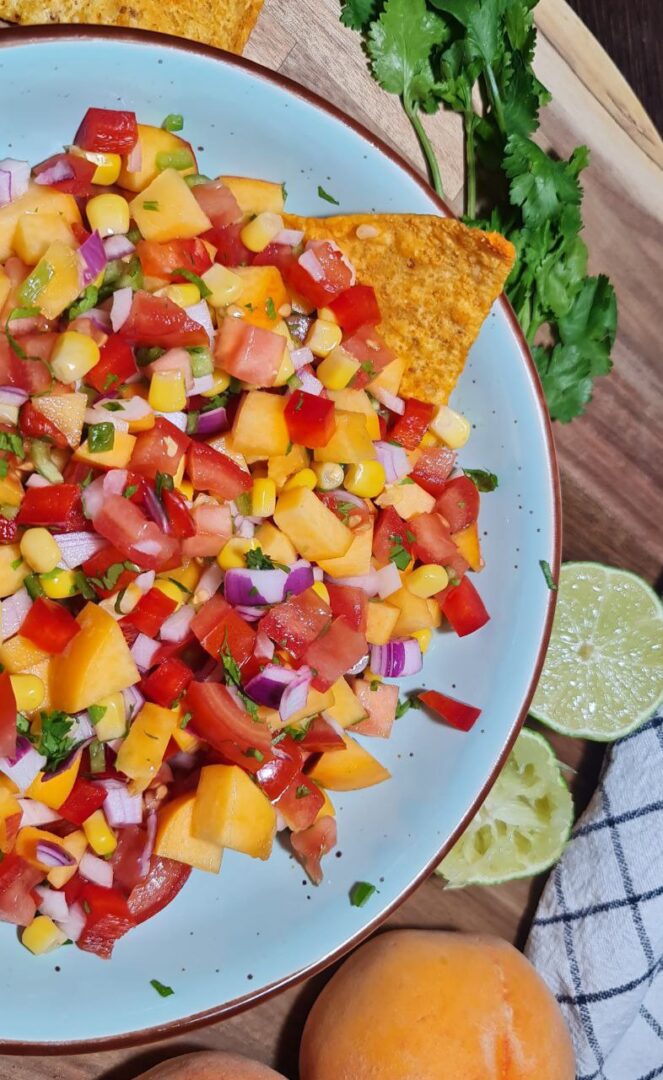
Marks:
<point>475,57</point>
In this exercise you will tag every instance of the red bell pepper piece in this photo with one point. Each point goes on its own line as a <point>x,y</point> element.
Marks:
<point>217,626</point>
<point>463,607</point>
<point>164,880</point>
<point>107,131</point>
<point>7,717</point>
<point>83,800</point>
<point>58,506</point>
<point>116,364</point>
<point>357,306</point>
<point>182,524</point>
<point>49,625</point>
<point>456,713</point>
<point>151,612</point>
<point>108,919</point>
<point>80,184</point>
<point>433,469</point>
<point>8,530</point>
<point>310,420</point>
<point>411,427</point>
<point>33,424</point>
<point>97,567</point>
<point>166,684</point>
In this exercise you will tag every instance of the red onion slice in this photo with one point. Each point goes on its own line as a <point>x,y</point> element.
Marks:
<point>368,582</point>
<point>268,687</point>
<point>200,313</point>
<point>36,813</point>
<point>78,547</point>
<point>135,158</point>
<point>394,460</point>
<point>133,701</point>
<point>155,510</point>
<point>5,188</point>
<point>295,694</point>
<point>178,419</point>
<point>60,170</point>
<point>144,650</point>
<point>18,178</point>
<point>52,903</point>
<point>401,657</point>
<point>390,401</point>
<point>14,610</point>
<point>289,237</point>
<point>310,385</point>
<point>301,357</point>
<point>300,578</point>
<point>254,587</point>
<point>149,844</point>
<point>310,262</point>
<point>264,647</point>
<point>388,580</point>
<point>176,626</point>
<point>121,308</point>
<point>120,806</point>
<point>24,766</point>
<point>51,853</point>
<point>13,395</point>
<point>116,247</point>
<point>96,870</point>
<point>210,423</point>
<point>209,582</point>
<point>93,258</point>
<point>251,614</point>
<point>74,923</point>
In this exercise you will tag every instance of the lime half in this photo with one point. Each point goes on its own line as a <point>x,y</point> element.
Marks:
<point>523,825</point>
<point>603,674</point>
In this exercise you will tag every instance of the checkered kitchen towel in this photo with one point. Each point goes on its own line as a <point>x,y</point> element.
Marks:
<point>597,938</point>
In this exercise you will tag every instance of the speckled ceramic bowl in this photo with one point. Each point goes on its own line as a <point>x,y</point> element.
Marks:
<point>231,940</point>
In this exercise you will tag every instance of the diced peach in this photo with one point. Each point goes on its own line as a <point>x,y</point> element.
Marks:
<point>356,560</point>
<point>175,839</point>
<point>167,209</point>
<point>350,444</point>
<point>260,430</point>
<point>95,664</point>
<point>255,196</point>
<point>231,811</point>
<point>153,141</point>
<point>38,199</point>
<point>380,703</point>
<point>66,411</point>
<point>467,542</point>
<point>348,770</point>
<point>314,530</point>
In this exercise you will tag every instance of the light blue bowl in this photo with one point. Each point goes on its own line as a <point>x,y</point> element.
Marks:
<point>229,940</point>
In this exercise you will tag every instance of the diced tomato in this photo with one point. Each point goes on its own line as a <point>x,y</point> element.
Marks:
<point>357,516</point>
<point>162,260</point>
<point>151,612</point>
<point>164,880</point>
<point>49,625</point>
<point>107,131</point>
<point>141,541</point>
<point>209,470</point>
<point>34,425</point>
<point>337,651</point>
<point>97,567</point>
<point>217,718</point>
<point>311,845</point>
<point>78,472</point>
<point>178,514</point>
<point>321,738</point>
<point>80,184</point>
<point>250,353</point>
<point>310,419</point>
<point>335,274</point>
<point>217,626</point>
<point>58,506</point>
<point>369,349</point>
<point>380,703</point>
<point>433,469</point>
<point>433,543</point>
<point>278,255</point>
<point>411,427</point>
<point>459,503</point>
<point>300,803</point>
<point>84,799</point>
<point>296,623</point>
<point>127,860</point>
<point>357,306</point>
<point>230,250</point>
<point>167,682</point>
<point>349,603</point>
<point>116,365</point>
<point>108,919</point>
<point>7,717</point>
<point>156,320</point>
<point>218,202</point>
<point>159,450</point>
<point>276,774</point>
<point>32,373</point>
<point>17,880</point>
<point>463,607</point>
<point>8,530</point>
<point>390,532</point>
<point>456,713</point>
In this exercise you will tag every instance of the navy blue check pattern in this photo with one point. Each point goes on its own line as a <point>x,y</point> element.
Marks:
<point>597,937</point>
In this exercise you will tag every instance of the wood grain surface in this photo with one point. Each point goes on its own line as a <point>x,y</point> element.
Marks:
<point>611,460</point>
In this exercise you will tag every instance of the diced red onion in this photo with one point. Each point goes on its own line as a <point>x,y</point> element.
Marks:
<point>264,646</point>
<point>36,813</point>
<point>135,408</point>
<point>74,924</point>
<point>13,395</point>
<point>401,657</point>
<point>135,158</point>
<point>82,727</point>
<point>390,401</point>
<point>301,357</point>
<point>121,308</point>
<point>254,587</point>
<point>394,460</point>
<point>251,614</point>
<point>244,527</point>
<point>145,581</point>
<point>183,761</point>
<point>210,423</point>
<point>97,415</point>
<point>295,694</point>
<point>210,580</point>
<point>178,419</point>
<point>52,903</point>
<point>154,508</point>
<point>143,650</point>
<point>24,766</point>
<point>93,258</point>
<point>356,669</point>
<point>310,385</point>
<point>268,687</point>
<point>5,188</point>
<point>52,854</point>
<point>368,582</point>
<point>35,480</point>
<point>318,573</point>
<point>149,844</point>
<point>310,262</point>
<point>341,495</point>
<point>78,547</point>
<point>96,870</point>
<point>202,384</point>
<point>289,237</point>
<point>388,580</point>
<point>60,170</point>
<point>115,481</point>
<point>300,577</point>
<point>200,313</point>
<point>133,701</point>
<point>120,806</point>
<point>176,626</point>
<point>93,497</point>
<point>100,318</point>
<point>18,178</point>
<point>116,247</point>
<point>14,610</point>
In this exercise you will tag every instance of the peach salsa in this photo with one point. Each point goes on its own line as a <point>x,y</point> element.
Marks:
<point>222,530</point>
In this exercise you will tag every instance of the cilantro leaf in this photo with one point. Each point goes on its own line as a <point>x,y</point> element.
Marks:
<point>55,742</point>
<point>357,13</point>
<point>541,186</point>
<point>482,479</point>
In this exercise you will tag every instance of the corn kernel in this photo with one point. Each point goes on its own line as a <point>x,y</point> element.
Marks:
<point>321,590</point>
<point>427,580</point>
<point>42,936</point>
<point>221,383</point>
<point>109,214</point>
<point>232,554</point>
<point>323,337</point>
<point>304,478</point>
<point>329,475</point>
<point>337,369</point>
<point>58,584</point>
<point>113,723</point>
<point>29,692</point>
<point>428,440</point>
<point>224,285</point>
<point>100,836</point>
<point>424,638</point>
<point>367,479</point>
<point>183,294</point>
<point>286,368</point>
<point>108,165</point>
<point>40,550</point>
<point>451,427</point>
<point>188,575</point>
<point>11,491</point>
<point>327,314</point>
<point>171,590</point>
<point>73,356</point>
<point>261,230</point>
<point>263,498</point>
<point>185,487</point>
<point>167,391</point>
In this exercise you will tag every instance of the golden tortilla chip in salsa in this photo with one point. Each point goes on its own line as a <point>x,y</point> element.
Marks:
<point>223,23</point>
<point>435,280</point>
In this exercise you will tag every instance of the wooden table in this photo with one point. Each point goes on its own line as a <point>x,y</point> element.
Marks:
<point>611,460</point>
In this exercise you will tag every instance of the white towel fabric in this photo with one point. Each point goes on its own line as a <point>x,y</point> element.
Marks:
<point>597,938</point>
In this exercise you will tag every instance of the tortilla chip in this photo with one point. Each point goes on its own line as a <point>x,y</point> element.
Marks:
<point>224,23</point>
<point>435,279</point>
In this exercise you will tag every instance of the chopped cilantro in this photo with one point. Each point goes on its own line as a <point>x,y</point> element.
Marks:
<point>405,480</point>
<point>548,575</point>
<point>257,560</point>
<point>163,480</point>
<point>367,367</point>
<point>96,713</point>
<point>150,204</point>
<point>299,404</point>
<point>399,555</point>
<point>195,279</point>
<point>22,724</point>
<point>180,586</point>
<point>84,303</point>
<point>130,490</point>
<point>109,380</point>
<point>253,752</point>
<point>13,444</point>
<point>482,479</point>
<point>322,194</point>
<point>34,586</point>
<point>83,586</point>
<point>185,719</point>
<point>270,309</point>
<point>406,704</point>
<point>284,191</point>
<point>361,892</point>
<point>173,122</point>
<point>16,563</point>
<point>302,791</point>
<point>192,422</point>
<point>55,742</point>
<point>100,437</point>
<point>113,406</point>
<point>161,989</point>
<point>375,684</point>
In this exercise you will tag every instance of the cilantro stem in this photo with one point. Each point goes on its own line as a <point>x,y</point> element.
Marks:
<point>495,99</point>
<point>433,168</point>
<point>470,165</point>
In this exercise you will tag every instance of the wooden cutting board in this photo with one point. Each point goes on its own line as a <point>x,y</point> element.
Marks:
<point>611,460</point>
